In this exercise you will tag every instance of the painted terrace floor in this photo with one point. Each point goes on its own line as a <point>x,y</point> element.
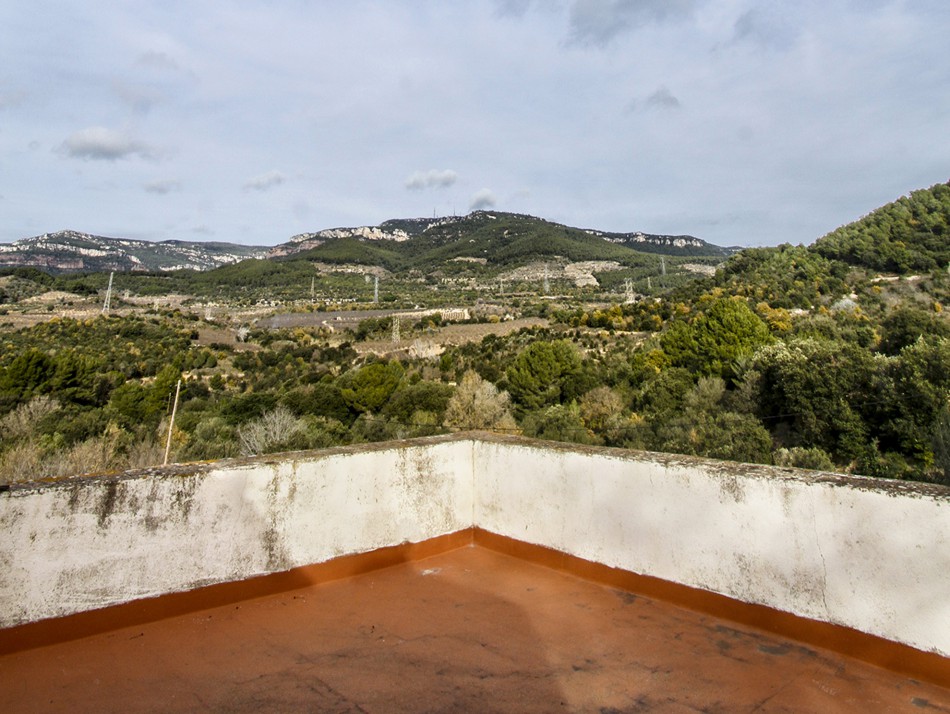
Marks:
<point>470,630</point>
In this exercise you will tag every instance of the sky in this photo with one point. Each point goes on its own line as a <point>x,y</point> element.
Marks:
<point>741,122</point>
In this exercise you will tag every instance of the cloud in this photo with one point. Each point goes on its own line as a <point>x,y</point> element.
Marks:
<point>163,186</point>
<point>597,22</point>
<point>100,144</point>
<point>157,60</point>
<point>767,27</point>
<point>140,99</point>
<point>433,178</point>
<point>660,100</point>
<point>12,98</point>
<point>265,182</point>
<point>482,199</point>
<point>663,98</point>
<point>511,8</point>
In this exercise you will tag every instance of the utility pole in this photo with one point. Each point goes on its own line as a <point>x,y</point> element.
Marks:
<point>171,425</point>
<point>628,289</point>
<point>649,283</point>
<point>396,329</point>
<point>313,284</point>
<point>108,301</point>
<point>547,284</point>
<point>662,265</point>
<point>375,289</point>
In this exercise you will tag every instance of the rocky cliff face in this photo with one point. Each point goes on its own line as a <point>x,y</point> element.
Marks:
<point>72,251</point>
<point>651,242</point>
<point>306,241</point>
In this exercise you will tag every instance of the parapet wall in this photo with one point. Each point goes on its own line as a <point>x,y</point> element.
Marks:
<point>866,554</point>
<point>93,542</point>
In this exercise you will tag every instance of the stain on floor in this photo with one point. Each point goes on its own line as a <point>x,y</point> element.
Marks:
<point>471,630</point>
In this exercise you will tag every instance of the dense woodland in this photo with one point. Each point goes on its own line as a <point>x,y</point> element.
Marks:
<point>834,356</point>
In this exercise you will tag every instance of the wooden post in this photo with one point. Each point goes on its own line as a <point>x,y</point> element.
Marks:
<point>171,425</point>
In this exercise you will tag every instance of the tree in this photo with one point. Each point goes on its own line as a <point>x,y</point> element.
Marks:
<point>801,457</point>
<point>664,392</point>
<point>321,399</point>
<point>559,422</point>
<point>599,408</point>
<point>477,404</point>
<point>941,444</point>
<point>911,391</point>
<point>713,341</point>
<point>24,421</point>
<point>266,434</point>
<point>370,387</point>
<point>28,374</point>
<point>812,392</point>
<point>906,324</point>
<point>424,396</point>
<point>542,373</point>
<point>706,428</point>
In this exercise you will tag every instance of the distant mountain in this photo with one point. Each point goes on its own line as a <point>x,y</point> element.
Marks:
<point>491,238</point>
<point>494,237</point>
<point>668,245</point>
<point>70,251</point>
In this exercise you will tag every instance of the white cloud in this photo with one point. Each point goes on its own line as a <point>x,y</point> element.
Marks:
<point>100,144</point>
<point>433,178</point>
<point>483,199</point>
<point>157,60</point>
<point>265,182</point>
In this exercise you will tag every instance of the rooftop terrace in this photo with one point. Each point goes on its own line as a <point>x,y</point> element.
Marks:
<point>470,630</point>
<point>475,574</point>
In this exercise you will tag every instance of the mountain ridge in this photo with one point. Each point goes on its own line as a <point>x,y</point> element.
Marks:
<point>418,235</point>
<point>74,251</point>
<point>494,235</point>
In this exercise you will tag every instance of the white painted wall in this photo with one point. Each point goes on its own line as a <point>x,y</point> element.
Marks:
<point>836,549</point>
<point>89,543</point>
<point>849,551</point>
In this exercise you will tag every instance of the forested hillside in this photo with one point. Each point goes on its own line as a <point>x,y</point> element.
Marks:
<point>817,357</point>
<point>911,234</point>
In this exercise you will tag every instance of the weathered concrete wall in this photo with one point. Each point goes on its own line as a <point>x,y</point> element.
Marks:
<point>88,543</point>
<point>867,554</point>
<point>870,555</point>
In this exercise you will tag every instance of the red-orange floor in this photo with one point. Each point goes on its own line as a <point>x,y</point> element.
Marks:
<point>471,630</point>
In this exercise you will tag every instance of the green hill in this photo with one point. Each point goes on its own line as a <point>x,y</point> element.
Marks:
<point>909,235</point>
<point>353,250</point>
<point>503,240</point>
